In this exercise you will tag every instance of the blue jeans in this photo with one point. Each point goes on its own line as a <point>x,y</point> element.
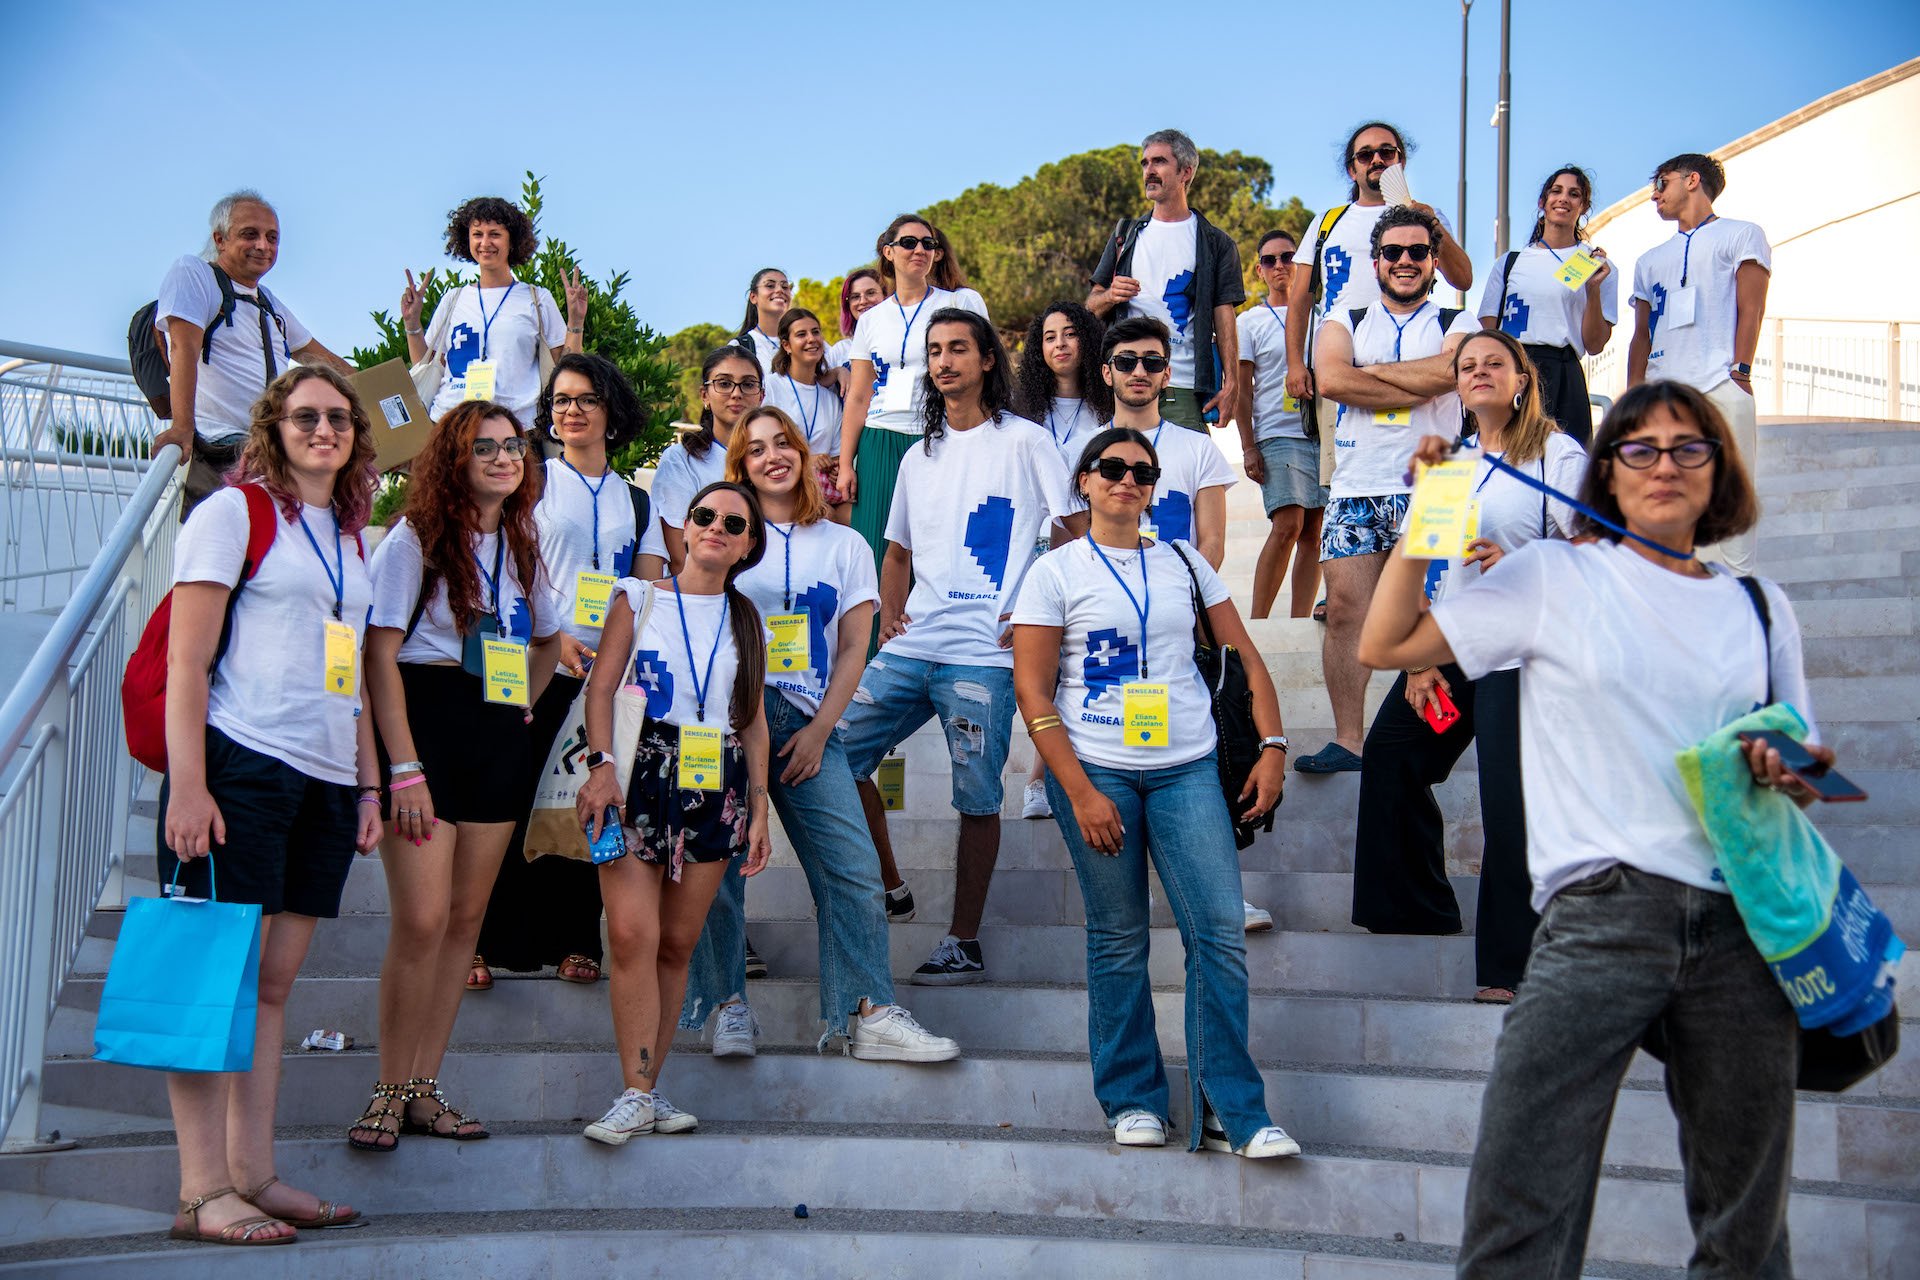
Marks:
<point>1178,816</point>
<point>975,705</point>
<point>823,819</point>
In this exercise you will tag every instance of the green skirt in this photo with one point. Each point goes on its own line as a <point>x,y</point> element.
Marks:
<point>877,465</point>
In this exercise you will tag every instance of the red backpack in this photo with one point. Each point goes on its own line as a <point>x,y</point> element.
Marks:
<point>143,690</point>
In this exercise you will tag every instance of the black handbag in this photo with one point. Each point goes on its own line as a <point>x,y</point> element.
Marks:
<point>1238,746</point>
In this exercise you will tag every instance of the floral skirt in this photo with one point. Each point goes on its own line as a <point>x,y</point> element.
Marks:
<point>673,826</point>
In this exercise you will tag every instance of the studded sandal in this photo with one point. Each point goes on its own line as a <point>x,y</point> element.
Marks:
<point>374,1119</point>
<point>427,1089</point>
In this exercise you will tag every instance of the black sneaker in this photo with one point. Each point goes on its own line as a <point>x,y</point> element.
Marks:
<point>899,904</point>
<point>954,963</point>
<point>756,967</point>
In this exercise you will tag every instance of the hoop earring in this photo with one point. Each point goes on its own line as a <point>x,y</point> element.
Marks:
<point>1516,399</point>
<point>553,429</point>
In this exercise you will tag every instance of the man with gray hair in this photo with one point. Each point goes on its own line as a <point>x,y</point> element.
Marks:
<point>225,338</point>
<point>1174,265</point>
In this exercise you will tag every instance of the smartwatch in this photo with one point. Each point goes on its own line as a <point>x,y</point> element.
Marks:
<point>1744,370</point>
<point>597,758</point>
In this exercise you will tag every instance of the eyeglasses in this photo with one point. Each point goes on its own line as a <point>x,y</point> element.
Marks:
<point>727,386</point>
<point>513,446</point>
<point>1276,259</point>
<point>1126,361</point>
<point>1691,454</point>
<point>1365,155</point>
<point>1414,252</point>
<point>734,525</point>
<point>910,243</point>
<point>585,404</point>
<point>308,421</point>
<point>1113,470</point>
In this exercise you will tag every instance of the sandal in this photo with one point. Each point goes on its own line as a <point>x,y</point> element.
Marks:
<point>479,978</point>
<point>425,1089</point>
<point>1320,610</point>
<point>374,1120</point>
<point>578,968</point>
<point>1494,995</point>
<point>329,1215</point>
<point>243,1232</point>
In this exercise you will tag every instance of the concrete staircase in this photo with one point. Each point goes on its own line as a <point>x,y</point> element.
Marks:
<point>999,1164</point>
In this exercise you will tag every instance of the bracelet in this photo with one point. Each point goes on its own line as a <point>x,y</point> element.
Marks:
<point>415,781</point>
<point>414,333</point>
<point>1042,725</point>
<point>1414,671</point>
<point>571,329</point>
<point>405,766</point>
<point>372,800</point>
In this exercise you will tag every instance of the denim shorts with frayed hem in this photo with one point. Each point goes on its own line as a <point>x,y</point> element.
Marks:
<point>975,705</point>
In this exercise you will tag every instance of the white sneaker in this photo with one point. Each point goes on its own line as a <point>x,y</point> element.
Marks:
<point>734,1030</point>
<point>632,1114</point>
<point>1268,1143</point>
<point>1139,1129</point>
<point>891,1035</point>
<point>1034,803</point>
<point>1258,921</point>
<point>668,1118</point>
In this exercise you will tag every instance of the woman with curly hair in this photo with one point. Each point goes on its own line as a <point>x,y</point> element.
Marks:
<point>498,336</point>
<point>547,912</point>
<point>263,757</point>
<point>1058,383</point>
<point>463,641</point>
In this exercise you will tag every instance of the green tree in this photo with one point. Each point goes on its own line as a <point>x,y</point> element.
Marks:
<point>686,351</point>
<point>824,301</point>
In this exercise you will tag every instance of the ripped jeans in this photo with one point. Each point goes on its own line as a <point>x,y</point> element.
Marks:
<point>975,705</point>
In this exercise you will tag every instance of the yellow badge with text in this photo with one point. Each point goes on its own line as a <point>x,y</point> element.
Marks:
<point>1289,404</point>
<point>1143,713</point>
<point>479,378</point>
<point>1473,528</point>
<point>1393,417</point>
<point>893,783</point>
<point>1577,269</point>
<point>504,668</point>
<point>790,648</point>
<point>592,593</point>
<point>700,747</point>
<point>342,654</point>
<point>1437,513</point>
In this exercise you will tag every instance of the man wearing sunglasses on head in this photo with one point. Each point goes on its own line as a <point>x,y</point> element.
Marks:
<point>1176,267</point>
<point>1389,368</point>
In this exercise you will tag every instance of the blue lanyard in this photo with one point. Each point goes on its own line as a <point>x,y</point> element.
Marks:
<point>1687,253</point>
<point>1550,249</point>
<point>700,686</point>
<point>1077,411</point>
<point>595,491</point>
<point>336,576</point>
<point>1140,606</point>
<point>903,315</point>
<point>1277,319</point>
<point>486,321</point>
<point>805,420</point>
<point>493,579</point>
<point>1581,507</point>
<point>1400,329</point>
<point>787,536</point>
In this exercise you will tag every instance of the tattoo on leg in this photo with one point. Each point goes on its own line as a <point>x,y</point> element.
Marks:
<point>646,1064</point>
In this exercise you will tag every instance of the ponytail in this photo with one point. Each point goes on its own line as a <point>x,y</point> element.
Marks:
<point>751,674</point>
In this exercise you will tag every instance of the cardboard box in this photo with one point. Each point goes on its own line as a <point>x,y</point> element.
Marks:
<point>400,423</point>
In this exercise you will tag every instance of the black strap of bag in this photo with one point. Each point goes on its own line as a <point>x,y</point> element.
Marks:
<point>1237,747</point>
<point>1506,282</point>
<point>1758,597</point>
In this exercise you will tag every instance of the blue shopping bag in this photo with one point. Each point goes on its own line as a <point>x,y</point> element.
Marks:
<point>182,989</point>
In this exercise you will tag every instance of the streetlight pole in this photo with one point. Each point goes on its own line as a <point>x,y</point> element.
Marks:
<point>1502,116</point>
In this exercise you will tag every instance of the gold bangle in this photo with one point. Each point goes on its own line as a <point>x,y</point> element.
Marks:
<point>1042,725</point>
<point>1414,671</point>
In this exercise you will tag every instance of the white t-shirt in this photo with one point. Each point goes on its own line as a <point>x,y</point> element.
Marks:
<point>566,520</point>
<point>679,475</point>
<point>764,348</point>
<point>829,569</point>
<point>397,573</point>
<point>1164,254</point>
<point>893,338</point>
<point>235,374</point>
<point>1624,664</point>
<point>269,692</point>
<point>1541,310</point>
<point>504,332</point>
<point>1370,458</point>
<point>1347,277</point>
<point>1699,353</point>
<point>1100,646</point>
<point>1071,424</point>
<point>971,513</point>
<point>1189,462</point>
<point>816,409</point>
<point>661,664</point>
<point>839,355</point>
<point>1263,344</point>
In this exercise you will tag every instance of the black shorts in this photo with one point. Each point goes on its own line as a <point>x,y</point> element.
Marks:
<point>675,826</point>
<point>478,754</point>
<point>289,837</point>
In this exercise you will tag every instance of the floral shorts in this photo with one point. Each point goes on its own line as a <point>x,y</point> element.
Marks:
<point>670,826</point>
<point>1362,526</point>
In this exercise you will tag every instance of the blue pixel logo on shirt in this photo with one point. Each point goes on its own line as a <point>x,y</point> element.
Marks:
<point>1513,321</point>
<point>650,673</point>
<point>520,620</point>
<point>1179,305</point>
<point>879,371</point>
<point>821,602</point>
<point>1337,264</point>
<point>623,559</point>
<point>990,537</point>
<point>463,348</point>
<point>1173,517</point>
<point>1658,309</point>
<point>1111,661</point>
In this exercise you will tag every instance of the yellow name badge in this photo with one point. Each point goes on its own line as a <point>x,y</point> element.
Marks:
<point>1144,714</point>
<point>1577,269</point>
<point>1437,514</point>
<point>1393,417</point>
<point>790,649</point>
<point>592,593</point>
<point>700,748</point>
<point>1289,404</point>
<point>479,378</point>
<point>893,783</point>
<point>342,653</point>
<point>1473,527</point>
<point>504,668</point>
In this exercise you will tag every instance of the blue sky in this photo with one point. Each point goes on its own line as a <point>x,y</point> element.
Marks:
<point>673,150</point>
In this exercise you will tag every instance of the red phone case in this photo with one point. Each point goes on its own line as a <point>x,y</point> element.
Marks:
<point>1441,718</point>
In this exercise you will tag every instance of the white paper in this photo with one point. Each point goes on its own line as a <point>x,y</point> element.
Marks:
<point>1393,185</point>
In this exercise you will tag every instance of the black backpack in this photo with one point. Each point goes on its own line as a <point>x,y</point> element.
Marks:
<point>148,355</point>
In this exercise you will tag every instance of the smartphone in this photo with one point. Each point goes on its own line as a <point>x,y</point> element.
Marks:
<point>611,842</point>
<point>1441,718</point>
<point>1827,783</point>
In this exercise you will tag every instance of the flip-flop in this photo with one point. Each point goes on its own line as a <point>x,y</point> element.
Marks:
<point>1332,758</point>
<point>1320,611</point>
<point>1486,995</point>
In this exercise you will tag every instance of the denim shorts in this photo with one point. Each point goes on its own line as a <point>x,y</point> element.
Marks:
<point>1362,526</point>
<point>1293,474</point>
<point>975,705</point>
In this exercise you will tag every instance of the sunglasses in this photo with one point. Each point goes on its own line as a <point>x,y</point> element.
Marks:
<point>1127,361</point>
<point>1113,470</point>
<point>1276,259</point>
<point>586,404</point>
<point>733,525</point>
<point>910,243</point>
<point>1690,454</point>
<point>512,446</point>
<point>308,421</point>
<point>1365,155</point>
<point>1413,252</point>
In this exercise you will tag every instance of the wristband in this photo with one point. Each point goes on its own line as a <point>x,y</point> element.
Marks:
<point>405,766</point>
<point>571,329</point>
<point>414,781</point>
<point>372,800</point>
